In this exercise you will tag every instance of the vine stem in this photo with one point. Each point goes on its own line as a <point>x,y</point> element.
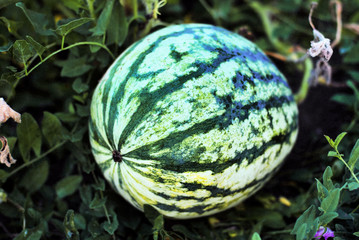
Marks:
<point>304,88</point>
<point>37,158</point>
<point>345,163</point>
<point>101,194</point>
<point>68,47</point>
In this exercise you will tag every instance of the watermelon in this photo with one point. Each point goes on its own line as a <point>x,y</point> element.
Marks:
<point>191,120</point>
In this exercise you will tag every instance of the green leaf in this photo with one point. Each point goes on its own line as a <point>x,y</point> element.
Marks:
<point>69,226</point>
<point>112,226</point>
<point>100,186</point>
<point>322,190</point>
<point>68,185</point>
<point>6,47</point>
<point>330,141</point>
<point>80,221</point>
<point>354,88</point>
<point>339,139</point>
<point>346,99</point>
<point>333,154</point>
<point>302,232</point>
<point>74,67</point>
<point>35,177</point>
<point>97,202</point>
<point>353,55</point>
<point>4,3</point>
<point>65,29</point>
<point>354,156</point>
<point>117,33</point>
<point>356,234</point>
<point>327,218</point>
<point>52,129</point>
<point>39,21</point>
<point>330,203</point>
<point>22,51</point>
<point>354,75</point>
<point>256,236</point>
<point>29,136</point>
<point>79,86</point>
<point>3,175</point>
<point>151,213</point>
<point>327,178</point>
<point>353,186</point>
<point>74,4</point>
<point>37,46</point>
<point>306,218</point>
<point>103,20</point>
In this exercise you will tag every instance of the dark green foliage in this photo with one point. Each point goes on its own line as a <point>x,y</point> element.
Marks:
<point>54,52</point>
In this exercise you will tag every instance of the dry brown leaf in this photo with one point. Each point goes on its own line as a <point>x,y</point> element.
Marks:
<point>5,156</point>
<point>7,112</point>
<point>320,46</point>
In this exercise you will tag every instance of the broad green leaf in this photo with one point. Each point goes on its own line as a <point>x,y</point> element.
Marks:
<point>330,141</point>
<point>11,141</point>
<point>6,47</point>
<point>256,236</point>
<point>4,3</point>
<point>39,21</point>
<point>353,55</point>
<point>97,202</point>
<point>306,218</point>
<point>330,203</point>
<point>356,234</point>
<point>51,128</point>
<point>117,33</point>
<point>74,67</point>
<point>37,46</point>
<point>327,218</point>
<point>22,51</point>
<point>35,177</point>
<point>327,178</point>
<point>354,155</point>
<point>68,185</point>
<point>111,227</point>
<point>69,226</point>
<point>29,136</point>
<point>79,86</point>
<point>339,139</point>
<point>103,20</point>
<point>65,29</point>
<point>34,214</point>
<point>94,228</point>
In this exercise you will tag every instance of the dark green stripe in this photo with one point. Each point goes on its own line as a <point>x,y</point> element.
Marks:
<point>215,192</point>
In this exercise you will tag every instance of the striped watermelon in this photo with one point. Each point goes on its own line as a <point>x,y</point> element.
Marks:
<point>192,119</point>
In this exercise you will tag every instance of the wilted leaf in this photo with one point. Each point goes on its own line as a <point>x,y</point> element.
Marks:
<point>5,155</point>
<point>7,112</point>
<point>65,29</point>
<point>70,227</point>
<point>103,20</point>
<point>29,136</point>
<point>68,185</point>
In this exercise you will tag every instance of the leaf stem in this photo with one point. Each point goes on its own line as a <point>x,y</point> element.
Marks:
<point>63,42</point>
<point>345,163</point>
<point>304,88</point>
<point>71,46</point>
<point>37,158</point>
<point>101,195</point>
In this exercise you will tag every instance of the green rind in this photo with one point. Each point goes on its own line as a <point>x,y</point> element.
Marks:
<point>200,115</point>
